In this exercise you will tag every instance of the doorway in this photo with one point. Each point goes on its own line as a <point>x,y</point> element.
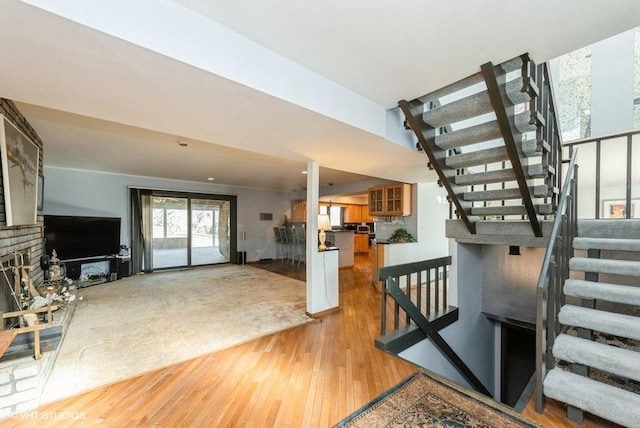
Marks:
<point>518,361</point>
<point>182,229</point>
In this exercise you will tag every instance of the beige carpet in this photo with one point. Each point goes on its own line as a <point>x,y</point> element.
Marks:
<point>125,328</point>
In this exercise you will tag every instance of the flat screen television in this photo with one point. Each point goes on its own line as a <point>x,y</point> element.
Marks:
<point>77,237</point>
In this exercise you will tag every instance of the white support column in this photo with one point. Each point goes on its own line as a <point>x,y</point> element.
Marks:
<point>321,266</point>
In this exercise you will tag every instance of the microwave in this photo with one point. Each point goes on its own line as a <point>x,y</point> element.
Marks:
<point>362,229</point>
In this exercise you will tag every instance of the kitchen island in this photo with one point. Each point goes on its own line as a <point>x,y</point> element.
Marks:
<point>343,239</point>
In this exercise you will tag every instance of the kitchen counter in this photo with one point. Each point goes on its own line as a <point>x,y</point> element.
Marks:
<point>387,242</point>
<point>343,239</point>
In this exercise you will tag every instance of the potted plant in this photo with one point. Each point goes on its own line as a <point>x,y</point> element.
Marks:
<point>401,235</point>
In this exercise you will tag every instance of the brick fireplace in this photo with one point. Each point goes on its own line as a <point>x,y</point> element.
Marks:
<point>21,379</point>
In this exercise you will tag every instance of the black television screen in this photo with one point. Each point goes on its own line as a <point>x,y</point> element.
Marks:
<point>75,237</point>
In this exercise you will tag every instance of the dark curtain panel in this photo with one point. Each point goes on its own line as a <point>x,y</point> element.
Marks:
<point>141,246</point>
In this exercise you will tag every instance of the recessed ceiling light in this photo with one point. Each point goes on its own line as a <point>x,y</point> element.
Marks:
<point>304,172</point>
<point>182,143</point>
<point>210,178</point>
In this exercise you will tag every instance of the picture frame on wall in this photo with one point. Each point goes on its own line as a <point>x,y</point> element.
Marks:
<point>20,159</point>
<point>617,208</point>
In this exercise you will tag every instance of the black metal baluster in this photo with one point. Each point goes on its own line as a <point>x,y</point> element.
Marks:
<point>437,287</point>
<point>428,292</point>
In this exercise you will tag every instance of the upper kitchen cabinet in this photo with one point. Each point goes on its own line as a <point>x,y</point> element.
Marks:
<point>352,214</point>
<point>366,217</point>
<point>376,204</point>
<point>299,211</point>
<point>398,200</point>
<point>392,200</point>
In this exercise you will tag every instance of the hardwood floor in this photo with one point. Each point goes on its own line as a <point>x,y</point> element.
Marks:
<point>308,376</point>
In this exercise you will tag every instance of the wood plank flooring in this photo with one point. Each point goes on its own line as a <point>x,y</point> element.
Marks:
<point>308,376</point>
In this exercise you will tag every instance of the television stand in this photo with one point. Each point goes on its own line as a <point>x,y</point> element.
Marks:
<point>113,268</point>
<point>90,282</point>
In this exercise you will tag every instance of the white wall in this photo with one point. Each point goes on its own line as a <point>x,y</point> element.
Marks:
<point>426,224</point>
<point>612,77</point>
<point>76,192</point>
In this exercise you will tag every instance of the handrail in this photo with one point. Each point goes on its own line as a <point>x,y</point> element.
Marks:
<point>611,136</point>
<point>553,273</point>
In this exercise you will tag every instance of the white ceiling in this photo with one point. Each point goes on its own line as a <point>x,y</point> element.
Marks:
<point>102,103</point>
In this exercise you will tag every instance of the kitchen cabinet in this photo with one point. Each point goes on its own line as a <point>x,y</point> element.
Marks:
<point>361,243</point>
<point>377,260</point>
<point>299,211</point>
<point>352,214</point>
<point>398,200</point>
<point>366,217</point>
<point>376,204</point>
<point>394,200</point>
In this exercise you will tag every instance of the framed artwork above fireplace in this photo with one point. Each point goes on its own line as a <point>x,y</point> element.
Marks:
<point>20,165</point>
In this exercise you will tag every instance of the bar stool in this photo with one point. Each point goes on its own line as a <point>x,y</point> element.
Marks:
<point>301,243</point>
<point>278,232</point>
<point>290,243</point>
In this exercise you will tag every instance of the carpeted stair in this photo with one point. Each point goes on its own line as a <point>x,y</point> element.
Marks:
<point>613,250</point>
<point>460,128</point>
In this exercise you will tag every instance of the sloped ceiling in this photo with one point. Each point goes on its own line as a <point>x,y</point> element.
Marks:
<point>103,102</point>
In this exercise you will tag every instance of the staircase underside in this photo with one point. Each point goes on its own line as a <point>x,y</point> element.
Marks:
<point>493,141</point>
<point>505,232</point>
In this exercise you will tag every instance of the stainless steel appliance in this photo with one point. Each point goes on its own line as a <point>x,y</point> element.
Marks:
<point>362,229</point>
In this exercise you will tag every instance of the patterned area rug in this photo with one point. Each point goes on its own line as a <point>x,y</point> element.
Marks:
<point>424,400</point>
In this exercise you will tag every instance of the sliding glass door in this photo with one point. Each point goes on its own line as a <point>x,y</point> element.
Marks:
<point>170,227</point>
<point>181,229</point>
<point>209,231</point>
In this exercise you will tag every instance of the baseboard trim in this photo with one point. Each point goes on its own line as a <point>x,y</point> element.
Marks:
<point>323,313</point>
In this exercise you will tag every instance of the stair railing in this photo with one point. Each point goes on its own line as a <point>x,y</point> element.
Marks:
<point>399,281</point>
<point>554,272</point>
<point>537,82</point>
<point>606,146</point>
<point>430,274</point>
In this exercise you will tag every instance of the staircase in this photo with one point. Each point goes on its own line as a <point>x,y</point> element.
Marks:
<point>493,141</point>
<point>602,297</point>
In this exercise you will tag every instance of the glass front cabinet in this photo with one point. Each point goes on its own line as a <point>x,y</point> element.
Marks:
<point>393,200</point>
